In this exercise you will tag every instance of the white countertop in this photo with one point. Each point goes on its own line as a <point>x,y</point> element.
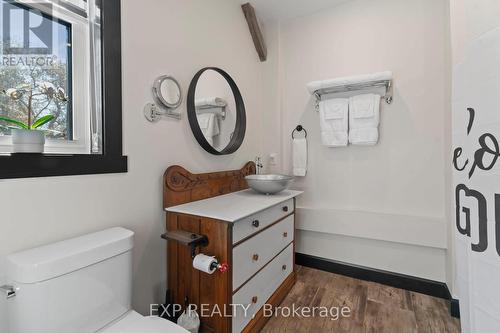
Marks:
<point>233,206</point>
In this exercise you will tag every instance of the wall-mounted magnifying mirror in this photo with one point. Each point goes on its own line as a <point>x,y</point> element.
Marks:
<point>167,92</point>
<point>216,111</point>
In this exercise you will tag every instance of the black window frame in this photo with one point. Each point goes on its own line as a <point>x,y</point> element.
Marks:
<point>111,160</point>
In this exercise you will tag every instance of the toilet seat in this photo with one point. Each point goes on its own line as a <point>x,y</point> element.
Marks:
<point>133,322</point>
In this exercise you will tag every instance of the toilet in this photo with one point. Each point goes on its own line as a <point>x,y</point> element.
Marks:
<point>80,285</point>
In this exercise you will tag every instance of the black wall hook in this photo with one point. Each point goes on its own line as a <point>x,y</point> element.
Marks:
<point>299,128</point>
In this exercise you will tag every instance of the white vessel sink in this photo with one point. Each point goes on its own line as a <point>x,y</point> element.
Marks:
<point>269,184</point>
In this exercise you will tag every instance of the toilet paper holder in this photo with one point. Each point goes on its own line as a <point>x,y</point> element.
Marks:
<point>191,239</point>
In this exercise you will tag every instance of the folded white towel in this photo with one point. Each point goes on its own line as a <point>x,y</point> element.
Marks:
<point>217,111</point>
<point>209,126</point>
<point>343,81</point>
<point>299,157</point>
<point>334,121</point>
<point>209,102</point>
<point>364,119</point>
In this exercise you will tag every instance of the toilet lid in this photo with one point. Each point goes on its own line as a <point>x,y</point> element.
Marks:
<point>135,323</point>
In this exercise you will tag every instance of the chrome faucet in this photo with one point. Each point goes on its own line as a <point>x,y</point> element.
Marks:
<point>258,165</point>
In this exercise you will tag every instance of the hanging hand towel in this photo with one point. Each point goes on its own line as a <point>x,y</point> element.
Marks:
<point>334,122</point>
<point>209,126</point>
<point>364,119</point>
<point>299,157</point>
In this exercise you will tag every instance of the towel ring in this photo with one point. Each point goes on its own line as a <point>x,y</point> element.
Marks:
<point>299,128</point>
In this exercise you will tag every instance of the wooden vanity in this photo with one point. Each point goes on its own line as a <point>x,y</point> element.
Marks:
<point>251,232</point>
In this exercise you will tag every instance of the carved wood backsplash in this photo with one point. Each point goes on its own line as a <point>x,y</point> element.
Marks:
<point>181,186</point>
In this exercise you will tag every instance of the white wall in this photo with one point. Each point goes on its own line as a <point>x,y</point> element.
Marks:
<point>159,37</point>
<point>403,177</point>
<point>271,125</point>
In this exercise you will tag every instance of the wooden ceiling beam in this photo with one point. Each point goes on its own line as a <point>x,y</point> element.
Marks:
<point>255,31</point>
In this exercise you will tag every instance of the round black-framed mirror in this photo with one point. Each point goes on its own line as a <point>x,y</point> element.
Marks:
<point>218,105</point>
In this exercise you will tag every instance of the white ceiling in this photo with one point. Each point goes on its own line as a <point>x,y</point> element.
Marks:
<point>286,9</point>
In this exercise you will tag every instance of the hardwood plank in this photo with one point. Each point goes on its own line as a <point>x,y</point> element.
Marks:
<point>352,294</point>
<point>432,315</point>
<point>390,296</point>
<point>280,323</point>
<point>381,318</point>
<point>424,302</point>
<point>315,277</point>
<point>375,308</point>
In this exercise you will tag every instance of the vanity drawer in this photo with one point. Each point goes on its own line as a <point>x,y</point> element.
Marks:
<point>258,221</point>
<point>254,253</point>
<point>259,289</point>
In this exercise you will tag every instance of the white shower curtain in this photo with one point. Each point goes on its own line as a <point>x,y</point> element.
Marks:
<point>476,180</point>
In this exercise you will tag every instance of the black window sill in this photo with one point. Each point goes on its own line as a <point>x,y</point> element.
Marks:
<point>42,165</point>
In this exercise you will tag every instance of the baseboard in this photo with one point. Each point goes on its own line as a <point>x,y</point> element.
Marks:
<point>455,308</point>
<point>397,280</point>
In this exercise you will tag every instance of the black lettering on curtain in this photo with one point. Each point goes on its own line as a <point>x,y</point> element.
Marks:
<point>482,215</point>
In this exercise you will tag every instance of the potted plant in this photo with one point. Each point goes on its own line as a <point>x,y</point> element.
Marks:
<point>27,136</point>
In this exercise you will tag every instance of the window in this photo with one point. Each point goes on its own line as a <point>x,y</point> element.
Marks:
<point>55,57</point>
<point>46,56</point>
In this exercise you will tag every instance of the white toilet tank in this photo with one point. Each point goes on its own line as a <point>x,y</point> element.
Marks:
<point>77,285</point>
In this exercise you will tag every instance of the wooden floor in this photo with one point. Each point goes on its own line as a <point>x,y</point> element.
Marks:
<point>375,308</point>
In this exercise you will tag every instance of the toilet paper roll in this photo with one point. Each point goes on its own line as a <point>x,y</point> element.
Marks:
<point>205,263</point>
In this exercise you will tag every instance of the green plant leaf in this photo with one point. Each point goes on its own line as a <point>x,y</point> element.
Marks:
<point>13,121</point>
<point>42,121</point>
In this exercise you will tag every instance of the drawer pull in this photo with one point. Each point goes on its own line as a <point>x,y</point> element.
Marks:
<point>283,267</point>
<point>255,257</point>
<point>285,209</point>
<point>254,299</point>
<point>285,234</point>
<point>256,223</point>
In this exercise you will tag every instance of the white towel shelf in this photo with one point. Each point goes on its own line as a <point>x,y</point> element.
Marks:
<point>353,83</point>
<point>214,105</point>
<point>387,84</point>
